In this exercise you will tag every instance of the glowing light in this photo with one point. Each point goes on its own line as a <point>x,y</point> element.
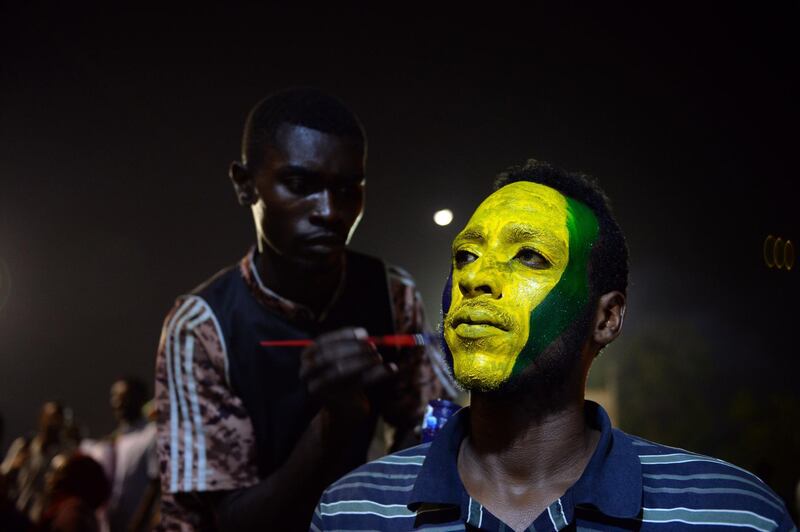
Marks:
<point>443,217</point>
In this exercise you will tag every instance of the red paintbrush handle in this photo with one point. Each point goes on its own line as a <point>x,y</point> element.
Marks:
<point>391,340</point>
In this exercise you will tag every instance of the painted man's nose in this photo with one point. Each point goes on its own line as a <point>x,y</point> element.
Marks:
<point>480,282</point>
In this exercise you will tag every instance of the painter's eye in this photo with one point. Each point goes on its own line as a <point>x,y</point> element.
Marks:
<point>464,257</point>
<point>301,185</point>
<point>532,258</point>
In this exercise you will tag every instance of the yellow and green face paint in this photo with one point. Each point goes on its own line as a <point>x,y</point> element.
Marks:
<point>519,278</point>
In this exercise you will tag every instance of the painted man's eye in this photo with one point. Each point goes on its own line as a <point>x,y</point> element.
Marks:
<point>531,258</point>
<point>464,257</point>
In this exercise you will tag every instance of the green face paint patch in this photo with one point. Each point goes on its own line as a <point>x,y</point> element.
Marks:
<point>570,295</point>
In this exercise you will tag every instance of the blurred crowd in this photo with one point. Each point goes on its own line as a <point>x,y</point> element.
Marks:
<point>56,481</point>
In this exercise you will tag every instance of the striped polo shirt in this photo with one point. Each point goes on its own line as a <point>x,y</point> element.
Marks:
<point>629,484</point>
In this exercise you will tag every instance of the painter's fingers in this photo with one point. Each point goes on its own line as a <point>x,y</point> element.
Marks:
<point>338,360</point>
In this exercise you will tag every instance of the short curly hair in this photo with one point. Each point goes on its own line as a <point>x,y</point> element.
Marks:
<point>608,262</point>
<point>301,106</point>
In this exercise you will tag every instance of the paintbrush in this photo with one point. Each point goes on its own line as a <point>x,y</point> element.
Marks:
<point>389,340</point>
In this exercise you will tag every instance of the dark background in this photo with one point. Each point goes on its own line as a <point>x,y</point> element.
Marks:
<point>116,129</point>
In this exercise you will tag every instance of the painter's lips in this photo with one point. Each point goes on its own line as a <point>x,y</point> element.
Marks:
<point>325,241</point>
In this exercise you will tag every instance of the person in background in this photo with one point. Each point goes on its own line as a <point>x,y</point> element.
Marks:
<point>128,457</point>
<point>76,488</point>
<point>11,519</point>
<point>30,459</point>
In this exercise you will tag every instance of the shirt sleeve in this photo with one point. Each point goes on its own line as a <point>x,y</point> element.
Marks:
<point>422,374</point>
<point>787,524</point>
<point>316,521</point>
<point>409,318</point>
<point>205,439</point>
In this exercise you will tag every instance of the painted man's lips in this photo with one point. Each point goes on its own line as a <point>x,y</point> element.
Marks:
<point>480,315</point>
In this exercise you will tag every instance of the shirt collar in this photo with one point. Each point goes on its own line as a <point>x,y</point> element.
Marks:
<point>611,482</point>
<point>274,301</point>
<point>438,482</point>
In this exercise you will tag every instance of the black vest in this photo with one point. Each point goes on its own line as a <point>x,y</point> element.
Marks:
<point>266,378</point>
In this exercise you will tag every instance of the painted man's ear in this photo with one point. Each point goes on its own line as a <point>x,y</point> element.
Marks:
<point>609,318</point>
<point>243,184</point>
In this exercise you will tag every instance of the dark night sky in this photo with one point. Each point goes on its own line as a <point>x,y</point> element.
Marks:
<point>116,129</point>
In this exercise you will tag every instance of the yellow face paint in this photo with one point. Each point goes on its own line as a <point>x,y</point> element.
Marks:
<point>506,261</point>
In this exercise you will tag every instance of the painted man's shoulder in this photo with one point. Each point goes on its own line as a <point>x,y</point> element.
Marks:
<point>394,472</point>
<point>678,480</point>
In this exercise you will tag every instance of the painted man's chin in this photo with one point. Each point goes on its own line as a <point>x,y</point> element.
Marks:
<point>476,384</point>
<point>479,371</point>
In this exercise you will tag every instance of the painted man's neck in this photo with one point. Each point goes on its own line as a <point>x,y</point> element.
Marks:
<point>517,441</point>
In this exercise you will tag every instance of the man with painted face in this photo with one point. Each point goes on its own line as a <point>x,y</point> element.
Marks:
<point>537,289</point>
<point>248,435</point>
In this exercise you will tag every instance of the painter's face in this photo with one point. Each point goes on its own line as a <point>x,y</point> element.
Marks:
<point>310,195</point>
<point>507,263</point>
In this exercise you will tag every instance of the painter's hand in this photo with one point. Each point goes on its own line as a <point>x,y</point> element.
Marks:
<point>403,398</point>
<point>342,361</point>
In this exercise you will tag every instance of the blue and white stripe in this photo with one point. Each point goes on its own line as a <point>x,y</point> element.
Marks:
<point>678,489</point>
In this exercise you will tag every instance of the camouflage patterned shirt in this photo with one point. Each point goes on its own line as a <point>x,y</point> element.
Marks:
<point>206,439</point>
